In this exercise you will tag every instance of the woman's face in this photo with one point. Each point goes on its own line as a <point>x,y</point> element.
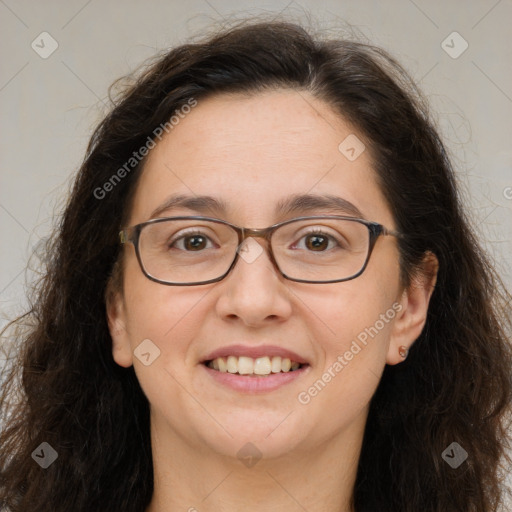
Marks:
<point>253,153</point>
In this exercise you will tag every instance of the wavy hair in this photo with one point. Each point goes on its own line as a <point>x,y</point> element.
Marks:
<point>64,387</point>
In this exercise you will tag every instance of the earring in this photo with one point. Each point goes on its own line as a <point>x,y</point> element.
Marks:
<point>403,351</point>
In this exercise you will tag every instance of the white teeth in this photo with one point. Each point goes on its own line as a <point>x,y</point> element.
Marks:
<point>232,364</point>
<point>276,364</point>
<point>245,365</point>
<point>223,367</point>
<point>262,366</point>
<point>248,366</point>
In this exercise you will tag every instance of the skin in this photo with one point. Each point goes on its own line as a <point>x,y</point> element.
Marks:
<point>252,152</point>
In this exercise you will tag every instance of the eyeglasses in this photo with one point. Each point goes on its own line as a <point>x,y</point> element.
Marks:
<point>186,251</point>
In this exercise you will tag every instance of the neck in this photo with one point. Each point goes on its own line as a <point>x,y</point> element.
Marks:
<point>198,479</point>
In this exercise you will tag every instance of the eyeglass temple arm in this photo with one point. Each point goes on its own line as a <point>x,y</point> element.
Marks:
<point>127,235</point>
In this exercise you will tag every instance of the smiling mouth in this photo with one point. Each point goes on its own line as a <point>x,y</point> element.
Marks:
<point>250,367</point>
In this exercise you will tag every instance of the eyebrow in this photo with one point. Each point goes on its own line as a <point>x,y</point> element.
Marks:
<point>294,204</point>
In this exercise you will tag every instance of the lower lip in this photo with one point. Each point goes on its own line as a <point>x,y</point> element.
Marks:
<point>255,384</point>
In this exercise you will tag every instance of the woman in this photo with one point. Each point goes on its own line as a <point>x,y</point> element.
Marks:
<point>183,356</point>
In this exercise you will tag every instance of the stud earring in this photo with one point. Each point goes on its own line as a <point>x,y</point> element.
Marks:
<point>403,351</point>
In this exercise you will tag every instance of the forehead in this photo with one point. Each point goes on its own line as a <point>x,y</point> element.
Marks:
<point>254,151</point>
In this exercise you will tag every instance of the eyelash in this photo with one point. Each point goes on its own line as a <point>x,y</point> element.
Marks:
<point>186,234</point>
<point>317,231</point>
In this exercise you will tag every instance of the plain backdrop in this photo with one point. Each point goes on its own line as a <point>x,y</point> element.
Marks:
<point>459,51</point>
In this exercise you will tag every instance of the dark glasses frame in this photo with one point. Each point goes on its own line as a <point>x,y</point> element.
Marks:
<point>375,230</point>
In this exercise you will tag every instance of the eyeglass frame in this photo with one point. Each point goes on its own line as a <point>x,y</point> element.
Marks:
<point>375,230</point>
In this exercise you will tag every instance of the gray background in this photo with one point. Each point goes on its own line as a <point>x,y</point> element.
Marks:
<point>50,106</point>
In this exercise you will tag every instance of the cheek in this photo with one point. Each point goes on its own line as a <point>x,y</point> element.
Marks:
<point>171,318</point>
<point>360,335</point>
<point>358,317</point>
<point>168,316</point>
<point>358,310</point>
<point>354,360</point>
<point>162,323</point>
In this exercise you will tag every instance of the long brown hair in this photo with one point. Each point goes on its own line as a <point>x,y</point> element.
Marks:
<point>455,385</point>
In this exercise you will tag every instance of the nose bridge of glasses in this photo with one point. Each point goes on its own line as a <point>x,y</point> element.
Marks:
<point>250,254</point>
<point>256,233</point>
<point>264,233</point>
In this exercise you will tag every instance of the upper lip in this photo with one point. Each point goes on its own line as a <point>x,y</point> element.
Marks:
<point>255,352</point>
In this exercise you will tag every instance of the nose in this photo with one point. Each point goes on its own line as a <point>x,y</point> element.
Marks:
<point>254,292</point>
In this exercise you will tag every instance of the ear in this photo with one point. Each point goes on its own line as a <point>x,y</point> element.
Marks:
<point>116,317</point>
<point>412,316</point>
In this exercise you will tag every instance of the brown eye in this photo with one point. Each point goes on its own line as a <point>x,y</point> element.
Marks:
<point>193,242</point>
<point>317,242</point>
